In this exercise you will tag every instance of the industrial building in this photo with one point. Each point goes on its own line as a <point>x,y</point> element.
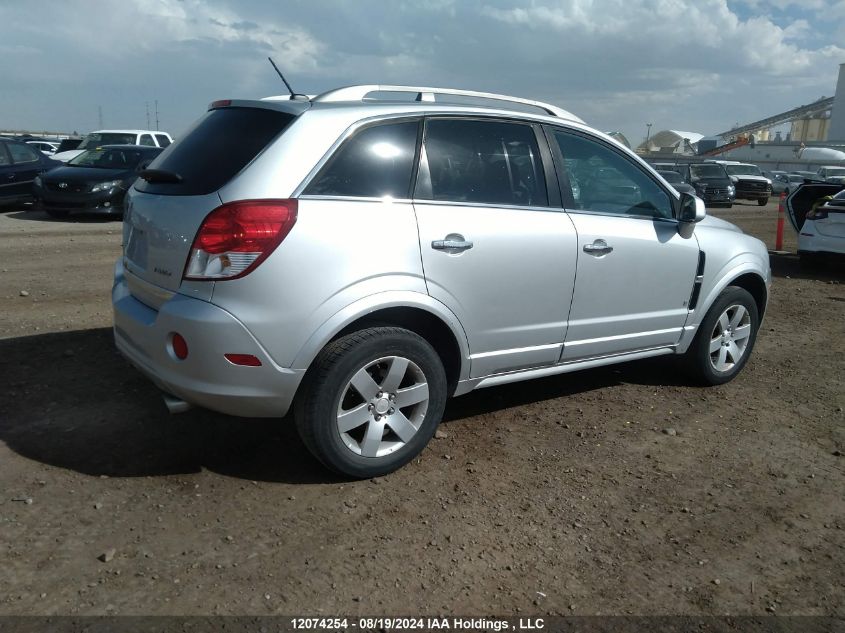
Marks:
<point>816,137</point>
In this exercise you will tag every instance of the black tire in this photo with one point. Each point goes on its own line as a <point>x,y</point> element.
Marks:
<point>762,202</point>
<point>328,380</point>
<point>697,358</point>
<point>57,213</point>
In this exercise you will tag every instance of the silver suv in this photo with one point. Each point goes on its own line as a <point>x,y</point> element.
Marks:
<point>359,256</point>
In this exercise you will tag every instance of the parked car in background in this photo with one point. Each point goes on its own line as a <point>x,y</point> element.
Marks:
<point>779,180</point>
<point>361,261</point>
<point>749,181</point>
<point>711,183</point>
<point>829,171</point>
<point>96,181</point>
<point>147,138</point>
<point>810,175</point>
<point>45,147</point>
<point>817,213</point>
<point>677,181</point>
<point>20,164</point>
<point>792,182</point>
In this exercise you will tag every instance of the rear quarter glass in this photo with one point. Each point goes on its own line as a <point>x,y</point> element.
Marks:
<point>215,149</point>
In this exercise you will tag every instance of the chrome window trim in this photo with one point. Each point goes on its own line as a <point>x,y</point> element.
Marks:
<point>622,215</point>
<point>384,199</point>
<point>486,205</point>
<point>421,202</point>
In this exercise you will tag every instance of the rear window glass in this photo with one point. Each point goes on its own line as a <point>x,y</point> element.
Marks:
<point>215,149</point>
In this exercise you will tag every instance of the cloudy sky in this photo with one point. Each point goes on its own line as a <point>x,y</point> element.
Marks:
<point>695,65</point>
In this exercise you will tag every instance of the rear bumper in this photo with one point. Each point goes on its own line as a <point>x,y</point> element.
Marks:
<point>811,241</point>
<point>205,378</point>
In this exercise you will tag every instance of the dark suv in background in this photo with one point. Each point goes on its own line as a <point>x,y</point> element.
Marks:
<point>710,181</point>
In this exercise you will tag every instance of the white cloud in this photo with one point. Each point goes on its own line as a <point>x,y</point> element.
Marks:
<point>616,63</point>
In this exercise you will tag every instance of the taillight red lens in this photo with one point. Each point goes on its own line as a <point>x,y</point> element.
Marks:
<point>237,236</point>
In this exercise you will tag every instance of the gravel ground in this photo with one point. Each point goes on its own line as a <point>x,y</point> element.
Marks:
<point>622,490</point>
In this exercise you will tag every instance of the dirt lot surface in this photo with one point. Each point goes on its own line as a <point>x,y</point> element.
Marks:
<point>613,491</point>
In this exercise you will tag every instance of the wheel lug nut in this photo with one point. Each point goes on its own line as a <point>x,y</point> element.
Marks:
<point>378,417</point>
<point>392,411</point>
<point>393,396</point>
<point>370,407</point>
<point>380,394</point>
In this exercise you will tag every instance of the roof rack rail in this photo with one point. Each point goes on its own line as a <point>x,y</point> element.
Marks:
<point>359,93</point>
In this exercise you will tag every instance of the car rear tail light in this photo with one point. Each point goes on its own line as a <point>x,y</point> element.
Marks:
<point>220,103</point>
<point>236,237</point>
<point>247,360</point>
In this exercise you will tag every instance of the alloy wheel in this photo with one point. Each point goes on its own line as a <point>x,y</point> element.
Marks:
<point>382,406</point>
<point>730,337</point>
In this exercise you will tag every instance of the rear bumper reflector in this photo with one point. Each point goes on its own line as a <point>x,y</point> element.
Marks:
<point>247,360</point>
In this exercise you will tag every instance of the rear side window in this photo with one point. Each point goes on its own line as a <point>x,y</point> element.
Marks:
<point>377,161</point>
<point>22,153</point>
<point>215,149</point>
<point>490,162</point>
<point>163,141</point>
<point>147,139</point>
<point>4,157</point>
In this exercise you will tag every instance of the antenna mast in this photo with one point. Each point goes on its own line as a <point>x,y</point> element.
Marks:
<point>293,95</point>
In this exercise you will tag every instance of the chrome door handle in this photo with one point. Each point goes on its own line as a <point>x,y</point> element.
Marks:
<point>598,248</point>
<point>452,243</point>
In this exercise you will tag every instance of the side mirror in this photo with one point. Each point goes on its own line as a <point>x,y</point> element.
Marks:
<point>692,209</point>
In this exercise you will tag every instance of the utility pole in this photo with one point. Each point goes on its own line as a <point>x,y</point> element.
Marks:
<point>647,133</point>
<point>100,116</point>
<point>148,115</point>
<point>156,103</point>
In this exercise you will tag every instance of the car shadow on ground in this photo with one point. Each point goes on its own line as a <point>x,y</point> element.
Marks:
<point>71,401</point>
<point>788,265</point>
<point>663,371</point>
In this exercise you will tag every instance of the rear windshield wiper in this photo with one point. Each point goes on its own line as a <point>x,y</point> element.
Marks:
<point>161,175</point>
